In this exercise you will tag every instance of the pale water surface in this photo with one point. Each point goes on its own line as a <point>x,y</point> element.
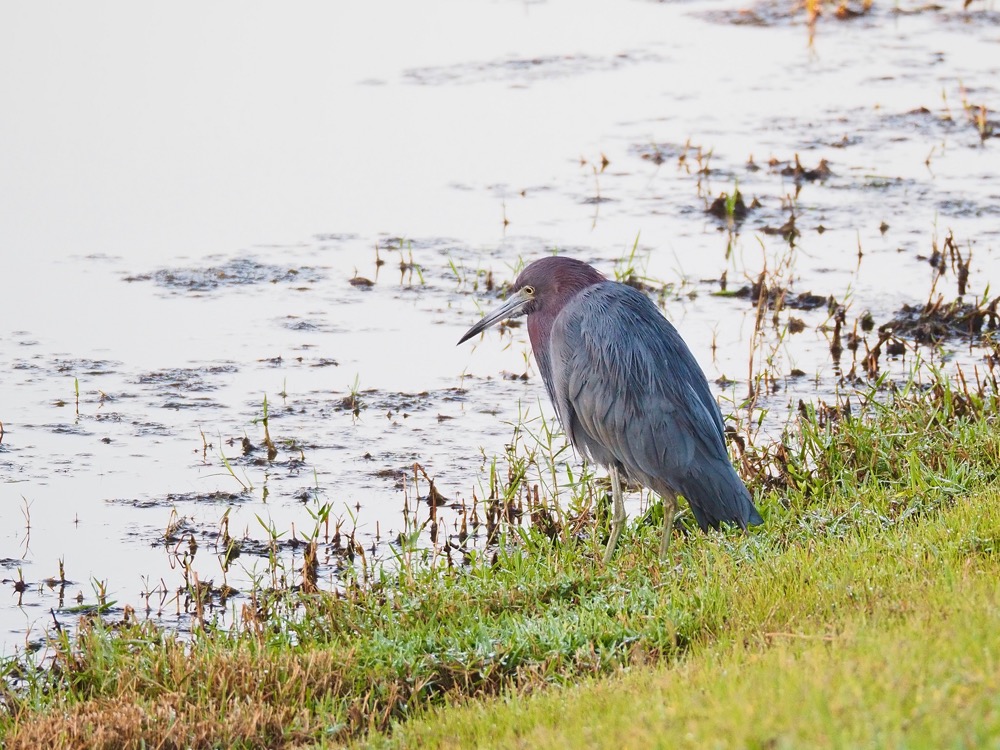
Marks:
<point>186,193</point>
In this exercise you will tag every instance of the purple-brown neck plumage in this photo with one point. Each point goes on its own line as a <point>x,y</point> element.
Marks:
<point>556,281</point>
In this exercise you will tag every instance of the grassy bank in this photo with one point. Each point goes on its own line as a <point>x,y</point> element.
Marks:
<point>876,640</point>
<point>860,613</point>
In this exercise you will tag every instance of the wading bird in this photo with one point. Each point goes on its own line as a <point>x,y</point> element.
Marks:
<point>628,392</point>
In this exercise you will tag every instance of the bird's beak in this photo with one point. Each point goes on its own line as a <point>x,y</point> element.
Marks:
<point>513,307</point>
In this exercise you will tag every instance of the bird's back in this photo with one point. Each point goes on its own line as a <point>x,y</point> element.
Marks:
<point>629,393</point>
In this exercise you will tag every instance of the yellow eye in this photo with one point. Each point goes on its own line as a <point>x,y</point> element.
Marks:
<point>530,291</point>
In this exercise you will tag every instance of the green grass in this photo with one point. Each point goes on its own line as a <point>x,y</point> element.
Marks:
<point>861,613</point>
<point>878,640</point>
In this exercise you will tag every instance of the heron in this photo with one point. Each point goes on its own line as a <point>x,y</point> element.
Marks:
<point>627,391</point>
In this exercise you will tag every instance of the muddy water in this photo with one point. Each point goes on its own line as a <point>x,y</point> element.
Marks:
<point>190,204</point>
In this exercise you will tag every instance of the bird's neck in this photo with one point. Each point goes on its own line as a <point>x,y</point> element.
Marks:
<point>539,324</point>
<point>542,320</point>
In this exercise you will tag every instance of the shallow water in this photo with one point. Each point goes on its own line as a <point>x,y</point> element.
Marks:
<point>190,204</point>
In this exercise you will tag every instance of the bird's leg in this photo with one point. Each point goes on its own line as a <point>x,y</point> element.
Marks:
<point>669,511</point>
<point>618,519</point>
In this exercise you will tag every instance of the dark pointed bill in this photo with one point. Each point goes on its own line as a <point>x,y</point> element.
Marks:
<point>511,308</point>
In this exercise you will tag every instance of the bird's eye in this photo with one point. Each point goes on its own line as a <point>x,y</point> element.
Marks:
<point>530,291</point>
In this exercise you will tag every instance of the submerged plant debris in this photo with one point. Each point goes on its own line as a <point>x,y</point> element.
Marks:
<point>234,272</point>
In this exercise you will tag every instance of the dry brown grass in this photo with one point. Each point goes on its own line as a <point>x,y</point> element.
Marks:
<point>198,699</point>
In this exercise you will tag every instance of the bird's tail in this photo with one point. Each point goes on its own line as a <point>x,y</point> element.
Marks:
<point>719,496</point>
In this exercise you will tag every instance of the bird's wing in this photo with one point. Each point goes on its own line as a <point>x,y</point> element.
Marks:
<point>627,388</point>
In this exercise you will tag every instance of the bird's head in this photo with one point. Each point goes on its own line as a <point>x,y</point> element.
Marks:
<point>545,285</point>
